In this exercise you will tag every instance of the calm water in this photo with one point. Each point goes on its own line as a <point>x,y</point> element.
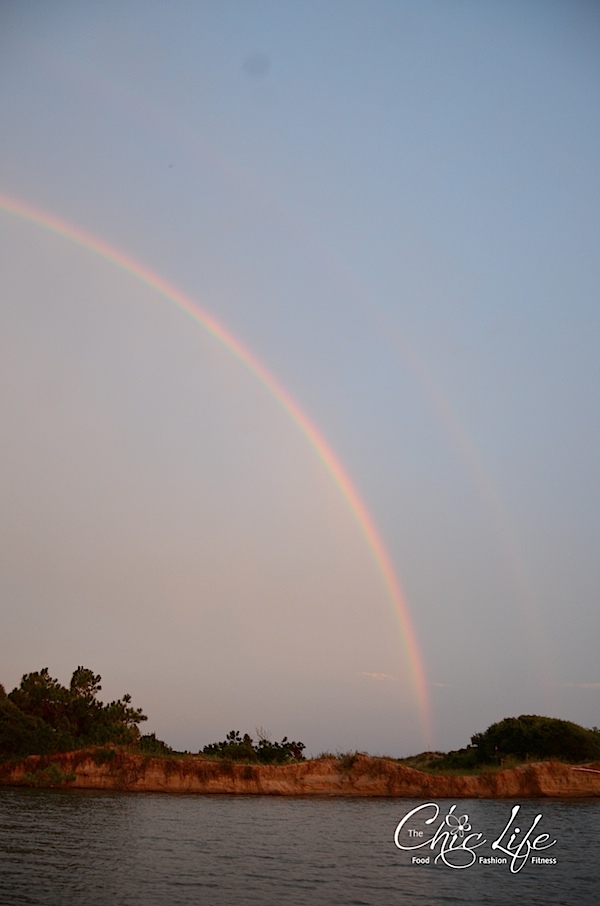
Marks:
<point>72,847</point>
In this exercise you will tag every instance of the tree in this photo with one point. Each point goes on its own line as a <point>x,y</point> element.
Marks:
<point>84,684</point>
<point>84,708</point>
<point>41,715</point>
<point>24,734</point>
<point>532,736</point>
<point>118,723</point>
<point>39,695</point>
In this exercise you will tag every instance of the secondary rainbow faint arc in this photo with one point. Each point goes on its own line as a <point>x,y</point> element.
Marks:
<point>155,282</point>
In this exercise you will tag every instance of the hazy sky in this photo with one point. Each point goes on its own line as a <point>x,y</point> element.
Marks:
<point>395,207</point>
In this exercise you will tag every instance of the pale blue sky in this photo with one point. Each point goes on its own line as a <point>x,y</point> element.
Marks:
<point>395,206</point>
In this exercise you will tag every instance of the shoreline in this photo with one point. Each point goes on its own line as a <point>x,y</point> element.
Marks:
<point>360,776</point>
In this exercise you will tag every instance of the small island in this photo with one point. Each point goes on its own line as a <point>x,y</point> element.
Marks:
<point>64,737</point>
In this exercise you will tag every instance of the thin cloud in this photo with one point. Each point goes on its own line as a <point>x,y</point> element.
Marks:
<point>582,685</point>
<point>381,676</point>
<point>386,677</point>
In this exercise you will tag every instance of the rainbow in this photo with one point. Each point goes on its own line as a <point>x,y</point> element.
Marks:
<point>333,465</point>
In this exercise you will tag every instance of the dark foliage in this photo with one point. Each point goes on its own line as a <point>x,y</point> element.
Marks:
<point>530,736</point>
<point>460,759</point>
<point>237,748</point>
<point>24,734</point>
<point>150,745</point>
<point>41,716</point>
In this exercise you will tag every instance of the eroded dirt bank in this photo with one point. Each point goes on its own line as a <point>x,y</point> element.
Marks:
<point>358,776</point>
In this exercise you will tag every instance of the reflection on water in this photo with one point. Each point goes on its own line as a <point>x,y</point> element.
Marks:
<point>75,848</point>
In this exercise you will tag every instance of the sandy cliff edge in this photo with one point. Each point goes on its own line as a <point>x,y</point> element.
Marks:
<point>361,775</point>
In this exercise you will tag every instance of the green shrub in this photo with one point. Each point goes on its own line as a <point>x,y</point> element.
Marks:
<point>150,745</point>
<point>237,748</point>
<point>530,736</point>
